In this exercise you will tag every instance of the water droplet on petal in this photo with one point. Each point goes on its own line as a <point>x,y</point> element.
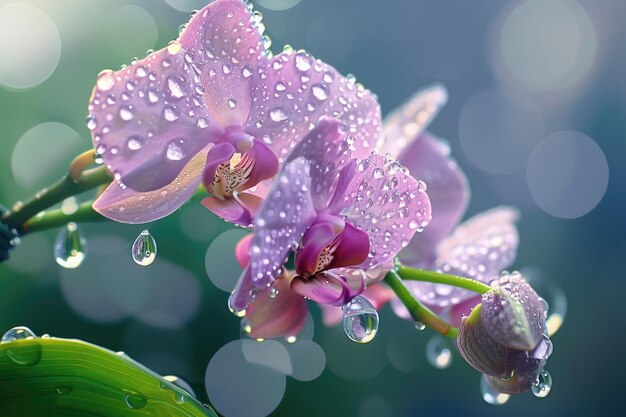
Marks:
<point>303,62</point>
<point>378,173</point>
<point>175,87</point>
<point>278,114</point>
<point>174,150</point>
<point>106,80</point>
<point>18,333</point>
<point>273,292</point>
<point>490,395</point>
<point>70,247</point>
<point>144,249</point>
<point>360,320</point>
<point>438,353</point>
<point>126,113</point>
<point>92,123</point>
<point>319,92</point>
<point>134,143</point>
<point>232,103</point>
<point>541,388</point>
<point>236,312</point>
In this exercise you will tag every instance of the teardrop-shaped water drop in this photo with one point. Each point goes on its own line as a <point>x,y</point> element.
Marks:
<point>438,353</point>
<point>541,388</point>
<point>70,247</point>
<point>18,333</point>
<point>273,292</point>
<point>360,320</point>
<point>144,249</point>
<point>235,311</point>
<point>490,395</point>
<point>135,402</point>
<point>420,326</point>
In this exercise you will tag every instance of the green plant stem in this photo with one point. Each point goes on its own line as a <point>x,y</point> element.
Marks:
<point>413,274</point>
<point>418,311</point>
<point>57,218</point>
<point>62,189</point>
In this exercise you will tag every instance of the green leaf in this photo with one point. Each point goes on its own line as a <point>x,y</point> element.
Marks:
<point>55,377</point>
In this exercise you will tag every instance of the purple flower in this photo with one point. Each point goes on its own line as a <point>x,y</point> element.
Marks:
<point>343,216</point>
<point>214,108</point>
<point>505,336</point>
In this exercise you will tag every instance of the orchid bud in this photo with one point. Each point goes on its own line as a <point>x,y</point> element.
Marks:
<point>505,336</point>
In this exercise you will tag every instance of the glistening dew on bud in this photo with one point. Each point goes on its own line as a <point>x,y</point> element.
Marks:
<point>505,336</point>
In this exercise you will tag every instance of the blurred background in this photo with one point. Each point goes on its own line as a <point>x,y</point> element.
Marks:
<point>535,118</point>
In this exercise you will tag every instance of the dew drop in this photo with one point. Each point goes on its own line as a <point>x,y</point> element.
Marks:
<point>141,71</point>
<point>144,249</point>
<point>135,402</point>
<point>153,96</point>
<point>542,387</point>
<point>420,326</point>
<point>170,114</point>
<point>232,103</point>
<point>126,113</point>
<point>303,62</point>
<point>64,390</point>
<point>278,114</point>
<point>247,72</point>
<point>106,80</point>
<point>174,150</point>
<point>18,333</point>
<point>134,143</point>
<point>236,312</point>
<point>360,320</point>
<point>438,353</point>
<point>92,123</point>
<point>70,247</point>
<point>175,87</point>
<point>413,224</point>
<point>273,292</point>
<point>378,173</point>
<point>280,87</point>
<point>226,69</point>
<point>319,92</point>
<point>490,395</point>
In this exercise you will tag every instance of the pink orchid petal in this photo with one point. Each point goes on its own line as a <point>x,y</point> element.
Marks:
<point>315,240</point>
<point>480,248</point>
<point>219,154</point>
<point>265,163</point>
<point>147,121</point>
<point>128,206</point>
<point>279,226</point>
<point>406,123</point>
<point>333,288</point>
<point>353,248</point>
<point>240,210</point>
<point>242,250</point>
<point>428,160</point>
<point>298,91</point>
<point>224,48</point>
<point>385,202</point>
<point>283,315</point>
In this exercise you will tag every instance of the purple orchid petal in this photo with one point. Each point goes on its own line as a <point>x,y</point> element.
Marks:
<point>317,238</point>
<point>218,154</point>
<point>279,226</point>
<point>239,210</point>
<point>297,91</point>
<point>282,315</point>
<point>352,249</point>
<point>128,206</point>
<point>406,123</point>
<point>479,248</point>
<point>335,288</point>
<point>224,48</point>
<point>147,121</point>
<point>513,314</point>
<point>428,159</point>
<point>384,201</point>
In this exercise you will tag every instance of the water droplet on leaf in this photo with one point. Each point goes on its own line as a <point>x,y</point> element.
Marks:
<point>18,333</point>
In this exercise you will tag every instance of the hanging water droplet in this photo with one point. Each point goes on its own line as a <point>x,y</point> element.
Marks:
<point>438,353</point>
<point>490,395</point>
<point>18,333</point>
<point>420,326</point>
<point>70,247</point>
<point>541,388</point>
<point>360,320</point>
<point>144,249</point>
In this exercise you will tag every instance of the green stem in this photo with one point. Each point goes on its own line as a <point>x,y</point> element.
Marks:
<point>418,311</point>
<point>57,218</point>
<point>412,274</point>
<point>62,189</point>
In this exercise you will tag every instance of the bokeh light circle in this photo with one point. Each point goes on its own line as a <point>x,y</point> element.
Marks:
<point>238,388</point>
<point>42,153</point>
<point>278,5</point>
<point>546,45</point>
<point>567,174</point>
<point>220,261</point>
<point>131,30</point>
<point>187,5</point>
<point>30,46</point>
<point>498,128</point>
<point>308,360</point>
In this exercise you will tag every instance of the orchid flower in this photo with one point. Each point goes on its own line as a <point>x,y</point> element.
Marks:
<point>214,108</point>
<point>343,217</point>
